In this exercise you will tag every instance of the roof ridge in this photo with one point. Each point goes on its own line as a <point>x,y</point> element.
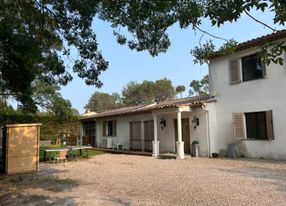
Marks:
<point>276,35</point>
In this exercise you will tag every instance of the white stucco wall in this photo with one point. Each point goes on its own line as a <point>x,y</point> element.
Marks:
<point>166,135</point>
<point>251,96</point>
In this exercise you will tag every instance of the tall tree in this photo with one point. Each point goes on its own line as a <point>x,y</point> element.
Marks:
<point>37,35</point>
<point>180,89</point>
<point>147,92</point>
<point>100,101</point>
<point>199,87</point>
<point>34,37</point>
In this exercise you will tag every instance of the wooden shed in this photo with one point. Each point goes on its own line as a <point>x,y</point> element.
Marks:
<point>19,148</point>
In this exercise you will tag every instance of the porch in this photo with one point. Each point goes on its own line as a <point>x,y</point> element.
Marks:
<point>176,128</point>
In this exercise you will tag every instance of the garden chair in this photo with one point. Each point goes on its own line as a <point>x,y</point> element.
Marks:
<point>60,157</point>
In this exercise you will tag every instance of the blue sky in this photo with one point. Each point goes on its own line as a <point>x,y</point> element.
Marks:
<point>176,64</point>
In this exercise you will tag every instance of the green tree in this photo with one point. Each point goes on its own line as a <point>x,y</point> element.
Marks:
<point>36,35</point>
<point>100,101</point>
<point>200,88</point>
<point>147,92</point>
<point>180,89</point>
<point>48,97</point>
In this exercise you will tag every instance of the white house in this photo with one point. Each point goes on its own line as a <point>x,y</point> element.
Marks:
<point>248,109</point>
<point>153,128</point>
<point>251,100</point>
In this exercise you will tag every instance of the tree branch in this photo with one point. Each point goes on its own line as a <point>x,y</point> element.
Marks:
<point>258,21</point>
<point>214,36</point>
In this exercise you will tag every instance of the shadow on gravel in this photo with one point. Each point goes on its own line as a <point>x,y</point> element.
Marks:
<point>12,189</point>
<point>277,176</point>
<point>115,202</point>
<point>15,199</point>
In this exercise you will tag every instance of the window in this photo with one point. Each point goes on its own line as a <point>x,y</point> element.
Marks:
<point>109,128</point>
<point>255,125</point>
<point>89,128</point>
<point>252,67</point>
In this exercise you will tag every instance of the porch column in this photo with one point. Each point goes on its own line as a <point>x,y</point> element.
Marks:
<point>180,143</point>
<point>155,145</point>
<point>81,134</point>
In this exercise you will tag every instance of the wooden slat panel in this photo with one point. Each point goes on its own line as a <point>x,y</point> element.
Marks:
<point>234,72</point>
<point>269,125</point>
<point>22,149</point>
<point>114,132</point>
<point>104,128</point>
<point>238,125</point>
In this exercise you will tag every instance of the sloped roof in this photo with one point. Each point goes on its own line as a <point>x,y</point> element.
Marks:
<point>190,101</point>
<point>255,42</point>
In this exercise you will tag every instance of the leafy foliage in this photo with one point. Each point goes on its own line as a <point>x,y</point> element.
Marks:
<point>180,89</point>
<point>200,87</point>
<point>147,92</point>
<point>32,43</point>
<point>100,101</point>
<point>203,53</point>
<point>36,36</point>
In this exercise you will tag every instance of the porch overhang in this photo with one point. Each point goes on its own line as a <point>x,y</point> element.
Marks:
<point>172,110</point>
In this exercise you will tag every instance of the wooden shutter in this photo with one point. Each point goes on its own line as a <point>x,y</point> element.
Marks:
<point>238,125</point>
<point>263,67</point>
<point>234,72</point>
<point>104,128</point>
<point>114,132</point>
<point>269,125</point>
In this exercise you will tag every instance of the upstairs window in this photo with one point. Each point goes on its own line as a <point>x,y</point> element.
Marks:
<point>246,68</point>
<point>109,128</point>
<point>252,67</point>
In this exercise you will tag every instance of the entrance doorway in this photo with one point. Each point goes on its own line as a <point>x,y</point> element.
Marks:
<point>185,134</point>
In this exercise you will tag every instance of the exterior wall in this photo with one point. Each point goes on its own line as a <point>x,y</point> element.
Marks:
<point>251,96</point>
<point>122,130</point>
<point>166,135</point>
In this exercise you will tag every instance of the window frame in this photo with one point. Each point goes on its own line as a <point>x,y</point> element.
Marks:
<point>240,126</point>
<point>109,128</point>
<point>235,69</point>
<point>242,69</point>
<point>256,125</point>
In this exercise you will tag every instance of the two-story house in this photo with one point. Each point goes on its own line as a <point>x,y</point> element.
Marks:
<point>247,108</point>
<point>251,100</point>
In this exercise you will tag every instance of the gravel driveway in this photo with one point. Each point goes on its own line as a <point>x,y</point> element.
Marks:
<point>135,180</point>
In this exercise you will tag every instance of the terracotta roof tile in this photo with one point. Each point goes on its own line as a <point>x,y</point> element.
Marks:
<point>191,101</point>
<point>256,42</point>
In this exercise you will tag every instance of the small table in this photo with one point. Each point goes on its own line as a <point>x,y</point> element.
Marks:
<point>80,148</point>
<point>52,150</point>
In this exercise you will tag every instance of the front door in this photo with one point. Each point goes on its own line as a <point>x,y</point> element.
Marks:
<point>185,134</point>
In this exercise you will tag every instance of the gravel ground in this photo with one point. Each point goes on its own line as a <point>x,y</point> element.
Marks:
<point>135,180</point>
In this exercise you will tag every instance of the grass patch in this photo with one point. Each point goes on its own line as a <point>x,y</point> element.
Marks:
<point>91,152</point>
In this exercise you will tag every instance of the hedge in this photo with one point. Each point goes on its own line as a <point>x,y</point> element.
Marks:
<point>53,127</point>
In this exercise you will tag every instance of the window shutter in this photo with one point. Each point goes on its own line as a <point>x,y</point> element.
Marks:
<point>269,125</point>
<point>263,69</point>
<point>238,125</point>
<point>104,128</point>
<point>114,128</point>
<point>234,72</point>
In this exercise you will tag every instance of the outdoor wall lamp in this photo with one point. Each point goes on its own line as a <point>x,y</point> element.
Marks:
<point>196,121</point>
<point>163,123</point>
